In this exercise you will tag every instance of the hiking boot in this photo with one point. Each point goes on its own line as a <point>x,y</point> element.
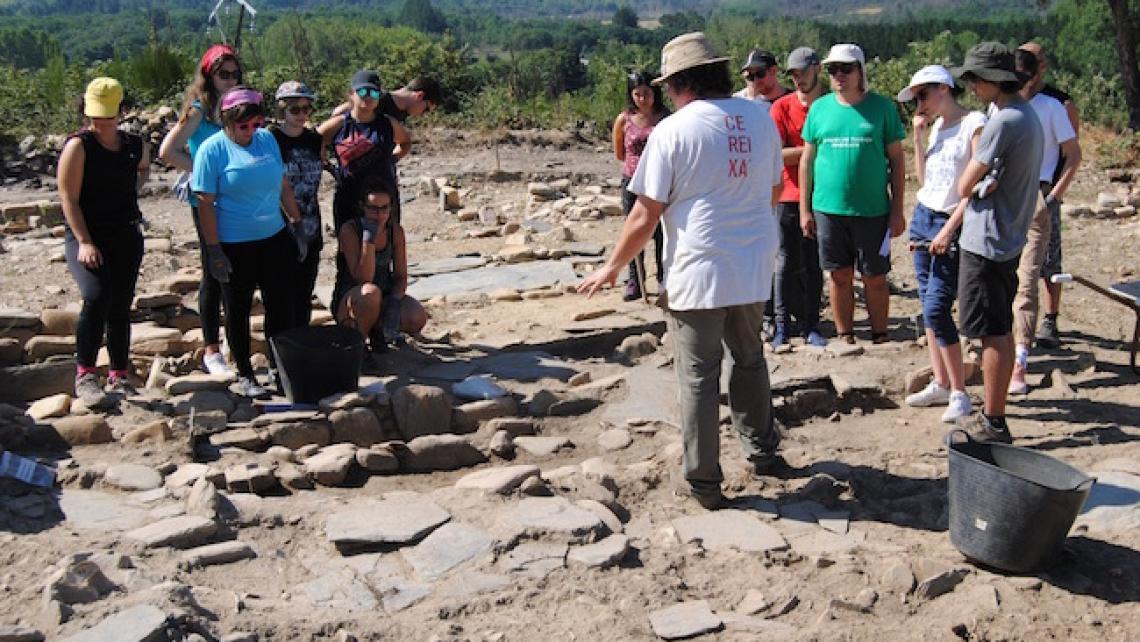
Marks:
<point>121,386</point>
<point>769,464</point>
<point>215,364</point>
<point>814,338</point>
<point>932,395</point>
<point>90,391</point>
<point>1047,336</point>
<point>632,291</point>
<point>1017,384</point>
<point>979,428</point>
<point>248,387</point>
<point>709,502</point>
<point>959,406</point>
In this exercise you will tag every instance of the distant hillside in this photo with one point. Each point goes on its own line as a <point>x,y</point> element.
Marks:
<point>584,9</point>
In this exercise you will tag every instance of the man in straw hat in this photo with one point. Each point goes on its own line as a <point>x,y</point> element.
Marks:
<point>711,174</point>
<point>1001,182</point>
<point>852,155</point>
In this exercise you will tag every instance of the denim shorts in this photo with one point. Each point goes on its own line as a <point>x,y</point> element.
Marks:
<point>937,275</point>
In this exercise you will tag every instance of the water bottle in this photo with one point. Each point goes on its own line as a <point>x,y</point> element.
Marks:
<point>26,470</point>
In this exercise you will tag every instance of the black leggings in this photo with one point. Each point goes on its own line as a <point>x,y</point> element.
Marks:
<point>628,198</point>
<point>107,291</point>
<point>305,284</point>
<point>266,264</point>
<point>209,293</point>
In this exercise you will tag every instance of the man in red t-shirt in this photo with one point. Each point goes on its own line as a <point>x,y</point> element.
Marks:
<point>799,280</point>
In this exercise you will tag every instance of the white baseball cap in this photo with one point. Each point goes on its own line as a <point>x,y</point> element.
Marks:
<point>847,52</point>
<point>928,75</point>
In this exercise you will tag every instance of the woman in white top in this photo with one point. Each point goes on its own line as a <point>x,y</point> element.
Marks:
<point>945,136</point>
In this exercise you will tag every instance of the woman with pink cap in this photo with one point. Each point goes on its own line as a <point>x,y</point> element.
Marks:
<point>100,170</point>
<point>945,136</point>
<point>218,71</point>
<point>239,178</point>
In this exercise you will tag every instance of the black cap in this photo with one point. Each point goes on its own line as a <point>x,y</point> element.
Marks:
<point>366,79</point>
<point>990,61</point>
<point>759,58</point>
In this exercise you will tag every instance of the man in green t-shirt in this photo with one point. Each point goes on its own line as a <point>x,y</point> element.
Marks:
<point>852,143</point>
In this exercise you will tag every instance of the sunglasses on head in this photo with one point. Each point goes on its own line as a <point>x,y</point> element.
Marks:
<point>247,125</point>
<point>299,109</point>
<point>756,75</point>
<point>368,92</point>
<point>226,74</point>
<point>840,68</point>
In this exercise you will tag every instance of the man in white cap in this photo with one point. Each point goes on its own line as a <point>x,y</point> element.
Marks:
<point>852,140</point>
<point>711,174</point>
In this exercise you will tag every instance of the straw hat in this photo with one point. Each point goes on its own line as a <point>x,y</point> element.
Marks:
<point>685,52</point>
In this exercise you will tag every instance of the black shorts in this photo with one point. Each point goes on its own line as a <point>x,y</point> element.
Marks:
<point>985,295</point>
<point>846,241</point>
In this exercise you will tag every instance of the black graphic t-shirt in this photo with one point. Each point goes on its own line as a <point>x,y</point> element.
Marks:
<point>302,157</point>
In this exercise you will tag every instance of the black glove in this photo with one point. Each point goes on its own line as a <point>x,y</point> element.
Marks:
<point>369,228</point>
<point>217,263</point>
<point>390,317</point>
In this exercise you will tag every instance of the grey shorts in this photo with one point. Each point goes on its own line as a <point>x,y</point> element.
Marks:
<point>846,241</point>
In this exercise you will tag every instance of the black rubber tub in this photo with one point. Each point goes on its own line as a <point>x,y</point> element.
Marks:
<point>1010,507</point>
<point>317,361</point>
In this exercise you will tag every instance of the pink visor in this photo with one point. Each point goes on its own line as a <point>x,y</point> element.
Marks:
<point>238,97</point>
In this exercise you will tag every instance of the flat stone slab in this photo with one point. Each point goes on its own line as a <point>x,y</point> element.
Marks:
<point>132,477</point>
<point>95,510</point>
<point>500,480</point>
<point>16,318</point>
<point>387,521</point>
<point>527,276</point>
<point>822,542</point>
<point>1113,504</point>
<point>181,531</point>
<point>445,266</point>
<point>400,593</point>
<point>601,554</point>
<point>729,529</point>
<point>447,371</point>
<point>555,514</point>
<point>142,623</point>
<point>652,396</point>
<point>525,366</point>
<point>342,591</point>
<point>536,559</point>
<point>543,446</point>
<point>684,620</point>
<point>471,583</point>
<point>447,547</point>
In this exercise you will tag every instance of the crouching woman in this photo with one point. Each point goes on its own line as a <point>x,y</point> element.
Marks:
<point>372,271</point>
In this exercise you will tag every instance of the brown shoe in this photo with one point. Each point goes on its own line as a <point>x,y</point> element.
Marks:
<point>982,431</point>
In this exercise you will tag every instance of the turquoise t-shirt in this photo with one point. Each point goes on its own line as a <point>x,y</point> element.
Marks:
<point>246,183</point>
<point>206,128</point>
<point>851,168</point>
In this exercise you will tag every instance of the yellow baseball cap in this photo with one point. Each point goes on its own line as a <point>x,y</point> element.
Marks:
<point>102,98</point>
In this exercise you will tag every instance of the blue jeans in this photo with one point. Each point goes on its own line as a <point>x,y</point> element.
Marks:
<point>937,275</point>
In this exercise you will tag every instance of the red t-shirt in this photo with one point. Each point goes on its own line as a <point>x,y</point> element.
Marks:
<point>790,114</point>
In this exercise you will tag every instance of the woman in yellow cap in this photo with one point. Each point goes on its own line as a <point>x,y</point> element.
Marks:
<point>100,170</point>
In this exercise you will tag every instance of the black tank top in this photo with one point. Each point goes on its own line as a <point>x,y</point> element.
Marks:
<point>109,194</point>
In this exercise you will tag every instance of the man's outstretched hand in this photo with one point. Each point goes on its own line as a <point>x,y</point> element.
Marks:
<point>607,274</point>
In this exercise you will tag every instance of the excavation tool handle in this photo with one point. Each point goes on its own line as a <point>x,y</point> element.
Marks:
<point>1122,293</point>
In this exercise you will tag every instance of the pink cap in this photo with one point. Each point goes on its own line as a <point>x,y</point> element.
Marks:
<point>239,96</point>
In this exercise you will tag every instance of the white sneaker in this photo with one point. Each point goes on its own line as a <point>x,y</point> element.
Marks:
<point>958,406</point>
<point>932,395</point>
<point>215,364</point>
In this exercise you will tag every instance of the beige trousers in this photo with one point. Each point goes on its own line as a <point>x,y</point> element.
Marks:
<point>1025,303</point>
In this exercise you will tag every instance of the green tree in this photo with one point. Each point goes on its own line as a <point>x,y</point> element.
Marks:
<point>420,14</point>
<point>625,17</point>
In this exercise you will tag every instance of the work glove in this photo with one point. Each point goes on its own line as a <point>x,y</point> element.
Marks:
<point>218,263</point>
<point>369,228</point>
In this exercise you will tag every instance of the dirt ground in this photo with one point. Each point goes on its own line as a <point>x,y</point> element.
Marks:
<point>864,454</point>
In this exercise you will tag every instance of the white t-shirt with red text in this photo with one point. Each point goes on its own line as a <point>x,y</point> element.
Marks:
<point>714,164</point>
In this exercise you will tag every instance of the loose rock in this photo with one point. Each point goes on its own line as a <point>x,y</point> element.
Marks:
<point>684,620</point>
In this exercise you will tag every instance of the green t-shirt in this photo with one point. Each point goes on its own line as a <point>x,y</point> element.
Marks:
<point>850,172</point>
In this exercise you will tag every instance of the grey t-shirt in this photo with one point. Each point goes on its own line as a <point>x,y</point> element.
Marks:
<point>1011,144</point>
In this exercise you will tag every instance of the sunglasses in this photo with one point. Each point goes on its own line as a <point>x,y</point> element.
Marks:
<point>840,68</point>
<point>375,209</point>
<point>299,109</point>
<point>250,124</point>
<point>923,94</point>
<point>226,74</point>
<point>756,75</point>
<point>367,92</point>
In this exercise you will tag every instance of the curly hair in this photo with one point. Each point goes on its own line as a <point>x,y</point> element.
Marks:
<point>202,89</point>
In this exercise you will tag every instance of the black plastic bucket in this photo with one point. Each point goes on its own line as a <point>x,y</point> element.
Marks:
<point>317,361</point>
<point>1011,508</point>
